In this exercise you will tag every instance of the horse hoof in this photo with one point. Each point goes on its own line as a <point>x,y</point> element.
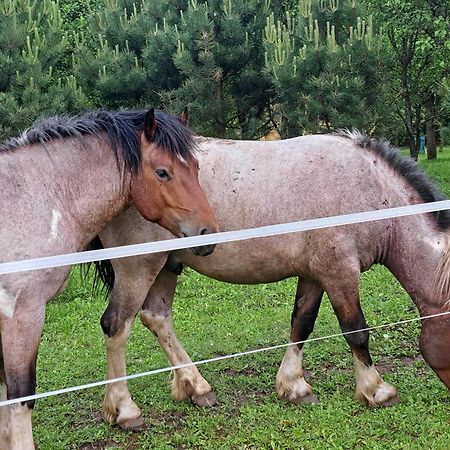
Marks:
<point>205,400</point>
<point>136,424</point>
<point>307,399</point>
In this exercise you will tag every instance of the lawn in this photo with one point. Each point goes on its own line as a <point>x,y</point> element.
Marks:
<point>213,318</point>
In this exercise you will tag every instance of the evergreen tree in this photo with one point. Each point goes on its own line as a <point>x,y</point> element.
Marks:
<point>32,51</point>
<point>204,54</point>
<point>325,61</point>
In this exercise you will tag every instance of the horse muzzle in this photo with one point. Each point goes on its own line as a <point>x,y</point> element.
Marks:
<point>203,250</point>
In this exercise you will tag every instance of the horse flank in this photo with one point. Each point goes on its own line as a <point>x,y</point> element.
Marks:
<point>122,129</point>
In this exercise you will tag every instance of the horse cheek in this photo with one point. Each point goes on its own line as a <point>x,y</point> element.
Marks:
<point>146,197</point>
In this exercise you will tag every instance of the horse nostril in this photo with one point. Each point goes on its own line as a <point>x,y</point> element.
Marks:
<point>204,231</point>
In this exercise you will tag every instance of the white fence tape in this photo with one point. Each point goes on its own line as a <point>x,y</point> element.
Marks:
<point>205,361</point>
<point>218,238</point>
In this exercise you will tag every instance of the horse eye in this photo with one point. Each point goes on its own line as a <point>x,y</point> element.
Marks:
<point>162,174</point>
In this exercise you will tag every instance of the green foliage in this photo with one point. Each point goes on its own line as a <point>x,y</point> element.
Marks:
<point>325,60</point>
<point>32,48</point>
<point>207,55</point>
<point>75,15</point>
<point>418,39</point>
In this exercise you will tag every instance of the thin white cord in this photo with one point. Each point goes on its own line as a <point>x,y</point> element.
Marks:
<point>217,238</point>
<point>210,360</point>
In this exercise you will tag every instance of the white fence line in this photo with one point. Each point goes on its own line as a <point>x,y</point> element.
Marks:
<point>218,238</point>
<point>205,361</point>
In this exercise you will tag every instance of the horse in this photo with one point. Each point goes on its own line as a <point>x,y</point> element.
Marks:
<point>61,182</point>
<point>251,184</point>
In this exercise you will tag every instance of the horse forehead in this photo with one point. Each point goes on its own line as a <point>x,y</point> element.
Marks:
<point>160,155</point>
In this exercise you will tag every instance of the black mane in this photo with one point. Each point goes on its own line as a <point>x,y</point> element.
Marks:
<point>121,128</point>
<point>407,168</point>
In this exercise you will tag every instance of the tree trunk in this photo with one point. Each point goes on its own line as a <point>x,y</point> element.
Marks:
<point>413,147</point>
<point>431,129</point>
<point>431,139</point>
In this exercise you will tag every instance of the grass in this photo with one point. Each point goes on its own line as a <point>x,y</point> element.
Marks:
<point>213,318</point>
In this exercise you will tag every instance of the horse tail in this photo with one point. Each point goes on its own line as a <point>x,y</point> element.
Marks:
<point>104,276</point>
<point>441,280</point>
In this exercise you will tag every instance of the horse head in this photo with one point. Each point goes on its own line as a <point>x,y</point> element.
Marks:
<point>165,189</point>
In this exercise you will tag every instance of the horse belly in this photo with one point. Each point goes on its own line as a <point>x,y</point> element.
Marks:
<point>262,260</point>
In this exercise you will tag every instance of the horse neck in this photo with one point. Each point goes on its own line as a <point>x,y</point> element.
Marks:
<point>86,183</point>
<point>414,257</point>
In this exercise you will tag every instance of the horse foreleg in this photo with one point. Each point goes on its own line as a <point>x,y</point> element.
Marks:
<point>434,345</point>
<point>4,412</point>
<point>118,406</point>
<point>344,295</point>
<point>156,315</point>
<point>20,342</point>
<point>133,278</point>
<point>291,384</point>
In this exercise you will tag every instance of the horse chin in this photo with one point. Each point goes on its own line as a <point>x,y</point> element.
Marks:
<point>204,250</point>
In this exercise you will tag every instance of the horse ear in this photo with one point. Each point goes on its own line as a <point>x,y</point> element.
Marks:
<point>184,117</point>
<point>150,125</point>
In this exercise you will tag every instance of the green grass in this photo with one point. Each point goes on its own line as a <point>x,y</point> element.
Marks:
<point>213,318</point>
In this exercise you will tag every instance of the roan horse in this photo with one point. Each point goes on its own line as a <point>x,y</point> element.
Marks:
<point>61,182</point>
<point>250,184</point>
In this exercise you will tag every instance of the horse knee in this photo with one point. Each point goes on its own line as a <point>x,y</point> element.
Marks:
<point>106,322</point>
<point>113,321</point>
<point>21,384</point>
<point>356,339</point>
<point>156,323</point>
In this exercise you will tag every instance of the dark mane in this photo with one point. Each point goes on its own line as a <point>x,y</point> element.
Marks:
<point>121,128</point>
<point>407,168</point>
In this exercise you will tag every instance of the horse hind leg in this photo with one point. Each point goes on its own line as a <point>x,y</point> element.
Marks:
<point>344,296</point>
<point>290,383</point>
<point>156,315</point>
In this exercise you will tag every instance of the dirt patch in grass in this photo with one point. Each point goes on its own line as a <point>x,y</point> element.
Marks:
<point>247,371</point>
<point>243,398</point>
<point>172,419</point>
<point>99,445</point>
<point>408,361</point>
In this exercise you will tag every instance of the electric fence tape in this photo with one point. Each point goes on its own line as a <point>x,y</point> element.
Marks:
<point>218,238</point>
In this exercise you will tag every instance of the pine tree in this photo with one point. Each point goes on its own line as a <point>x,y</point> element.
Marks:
<point>204,54</point>
<point>32,51</point>
<point>324,58</point>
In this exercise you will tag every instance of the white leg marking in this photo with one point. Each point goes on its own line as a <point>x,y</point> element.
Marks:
<point>56,217</point>
<point>15,427</point>
<point>291,384</point>
<point>187,382</point>
<point>118,407</point>
<point>4,421</point>
<point>7,303</point>
<point>370,387</point>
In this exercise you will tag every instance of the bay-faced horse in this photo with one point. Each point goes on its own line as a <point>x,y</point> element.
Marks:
<point>61,182</point>
<point>251,184</point>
